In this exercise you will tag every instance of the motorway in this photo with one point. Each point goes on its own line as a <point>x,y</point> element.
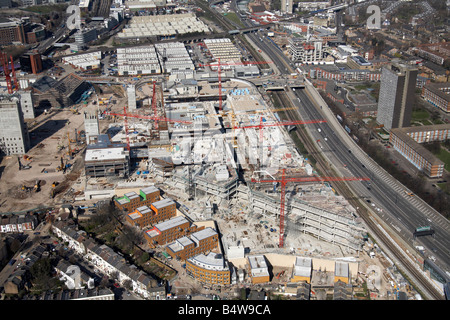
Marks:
<point>383,194</point>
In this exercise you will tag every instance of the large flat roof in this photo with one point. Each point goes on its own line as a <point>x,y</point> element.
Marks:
<point>171,223</point>
<point>163,203</point>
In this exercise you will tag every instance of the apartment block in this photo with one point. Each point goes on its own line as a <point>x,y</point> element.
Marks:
<point>131,200</point>
<point>259,271</point>
<point>210,269</point>
<point>302,270</point>
<point>170,230</point>
<point>145,216</point>
<point>438,94</point>
<point>199,242</point>
<point>398,84</point>
<point>341,272</point>
<point>407,142</point>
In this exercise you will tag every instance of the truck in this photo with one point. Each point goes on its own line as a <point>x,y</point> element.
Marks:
<point>423,231</point>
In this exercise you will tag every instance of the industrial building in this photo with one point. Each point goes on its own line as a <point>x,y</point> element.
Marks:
<point>223,50</point>
<point>104,159</point>
<point>161,26</point>
<point>86,61</point>
<point>137,60</point>
<point>14,137</point>
<point>174,58</point>
<point>398,83</point>
<point>407,141</point>
<point>59,93</point>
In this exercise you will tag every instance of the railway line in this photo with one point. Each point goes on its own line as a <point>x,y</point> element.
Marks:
<point>342,188</point>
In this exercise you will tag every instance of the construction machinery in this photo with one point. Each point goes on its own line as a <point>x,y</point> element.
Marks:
<point>37,186</point>
<point>21,166</point>
<point>25,188</point>
<point>53,191</point>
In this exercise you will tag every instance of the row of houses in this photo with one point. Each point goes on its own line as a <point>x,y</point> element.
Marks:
<point>109,262</point>
<point>18,223</point>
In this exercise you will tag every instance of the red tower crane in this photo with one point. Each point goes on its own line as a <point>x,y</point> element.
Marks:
<point>218,66</point>
<point>6,71</point>
<point>155,112</point>
<point>13,71</point>
<point>283,181</point>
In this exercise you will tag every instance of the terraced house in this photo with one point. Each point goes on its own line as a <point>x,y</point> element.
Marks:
<point>111,263</point>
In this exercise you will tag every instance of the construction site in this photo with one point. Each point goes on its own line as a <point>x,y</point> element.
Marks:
<point>215,145</point>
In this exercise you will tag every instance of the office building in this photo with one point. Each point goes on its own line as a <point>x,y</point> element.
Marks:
<point>59,93</point>
<point>14,138</point>
<point>85,36</point>
<point>11,31</point>
<point>397,90</point>
<point>104,159</point>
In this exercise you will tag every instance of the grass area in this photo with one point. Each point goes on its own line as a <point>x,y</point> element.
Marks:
<point>46,9</point>
<point>420,115</point>
<point>444,156</point>
<point>232,16</point>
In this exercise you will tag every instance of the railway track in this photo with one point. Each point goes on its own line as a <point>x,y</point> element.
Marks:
<point>343,189</point>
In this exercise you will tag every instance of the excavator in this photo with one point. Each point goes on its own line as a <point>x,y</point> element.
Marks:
<point>37,186</point>
<point>53,191</point>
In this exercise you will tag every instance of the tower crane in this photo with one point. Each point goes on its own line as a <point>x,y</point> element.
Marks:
<point>284,181</point>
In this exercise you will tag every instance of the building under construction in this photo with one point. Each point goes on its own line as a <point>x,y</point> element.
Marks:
<point>104,158</point>
<point>339,228</point>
